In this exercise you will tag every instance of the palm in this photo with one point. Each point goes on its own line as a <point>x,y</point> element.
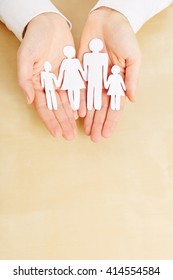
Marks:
<point>44,44</point>
<point>122,49</point>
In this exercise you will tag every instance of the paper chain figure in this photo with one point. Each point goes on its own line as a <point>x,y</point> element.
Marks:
<point>47,82</point>
<point>72,76</point>
<point>116,87</point>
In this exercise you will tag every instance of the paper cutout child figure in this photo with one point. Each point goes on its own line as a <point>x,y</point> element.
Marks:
<point>96,68</point>
<point>48,80</point>
<point>116,87</point>
<point>70,75</point>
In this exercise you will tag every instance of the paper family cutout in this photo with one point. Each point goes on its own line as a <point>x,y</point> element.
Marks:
<point>72,78</point>
<point>48,80</point>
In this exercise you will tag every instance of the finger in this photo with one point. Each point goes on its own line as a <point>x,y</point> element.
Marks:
<point>62,118</point>
<point>88,121</point>
<point>46,115</point>
<point>99,119</point>
<point>68,110</point>
<point>83,48</point>
<point>112,120</point>
<point>82,109</point>
<point>76,115</point>
<point>25,70</point>
<point>131,75</point>
<point>131,78</point>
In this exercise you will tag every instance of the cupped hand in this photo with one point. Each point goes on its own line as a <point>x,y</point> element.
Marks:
<point>121,45</point>
<point>44,40</point>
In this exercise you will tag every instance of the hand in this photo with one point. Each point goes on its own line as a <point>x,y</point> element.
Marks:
<point>58,83</point>
<point>106,85</point>
<point>121,45</point>
<point>44,40</point>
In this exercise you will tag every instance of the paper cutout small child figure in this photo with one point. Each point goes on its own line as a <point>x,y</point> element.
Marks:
<point>96,69</point>
<point>71,77</point>
<point>116,87</point>
<point>48,80</point>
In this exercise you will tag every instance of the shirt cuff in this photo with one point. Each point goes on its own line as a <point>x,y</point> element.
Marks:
<point>136,11</point>
<point>16,14</point>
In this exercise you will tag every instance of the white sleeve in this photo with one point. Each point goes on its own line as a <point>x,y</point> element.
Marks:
<point>16,14</point>
<point>136,11</point>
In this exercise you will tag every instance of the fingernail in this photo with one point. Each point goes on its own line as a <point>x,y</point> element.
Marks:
<point>76,116</point>
<point>106,133</point>
<point>82,113</point>
<point>70,137</point>
<point>58,134</point>
<point>96,137</point>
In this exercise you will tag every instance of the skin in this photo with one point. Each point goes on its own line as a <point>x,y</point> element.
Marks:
<point>44,40</point>
<point>121,45</point>
<point>46,36</point>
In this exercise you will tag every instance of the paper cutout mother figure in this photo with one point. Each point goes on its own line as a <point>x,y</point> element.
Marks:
<point>96,68</point>
<point>47,82</point>
<point>70,76</point>
<point>116,87</point>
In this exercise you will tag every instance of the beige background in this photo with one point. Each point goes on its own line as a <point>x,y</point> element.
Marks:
<point>79,200</point>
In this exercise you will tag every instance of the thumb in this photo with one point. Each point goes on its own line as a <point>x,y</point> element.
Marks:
<point>83,103</point>
<point>25,70</point>
<point>131,78</point>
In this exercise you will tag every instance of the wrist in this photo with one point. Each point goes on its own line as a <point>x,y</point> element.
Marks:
<point>107,15</point>
<point>47,19</point>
